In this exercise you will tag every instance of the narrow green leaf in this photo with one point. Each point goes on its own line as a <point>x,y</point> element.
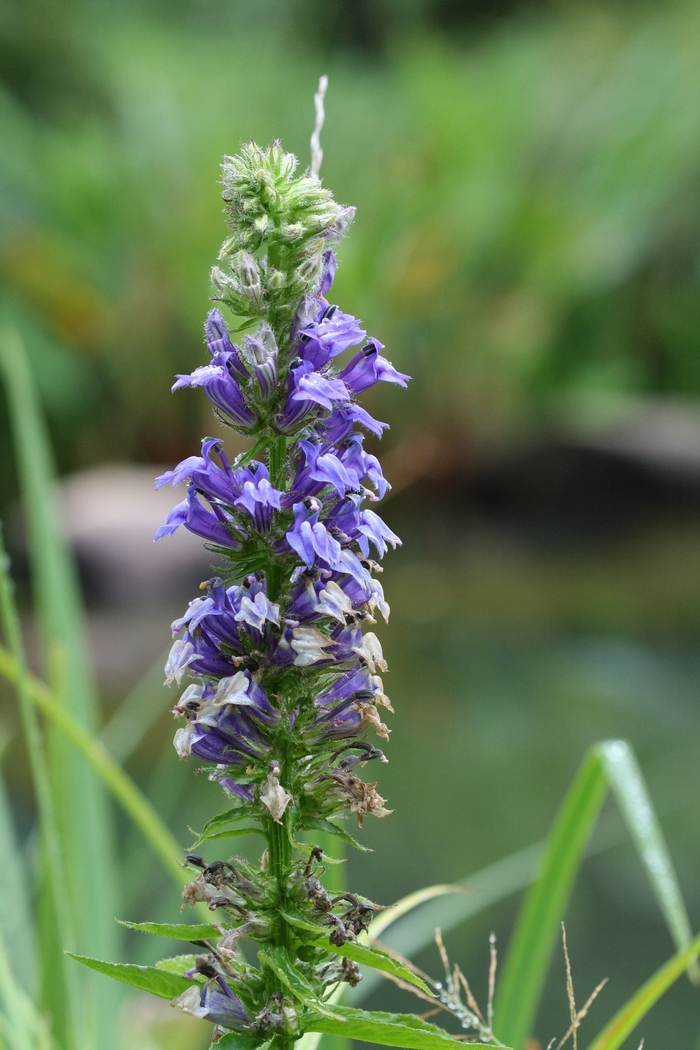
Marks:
<point>415,929</point>
<point>386,918</point>
<point>145,978</point>
<point>538,923</point>
<point>610,763</point>
<point>626,780</point>
<point>334,829</point>
<point>302,989</point>
<point>137,713</point>
<point>626,1019</point>
<point>233,833</point>
<point>16,924</point>
<point>176,964</point>
<point>122,787</point>
<point>360,953</point>
<point>21,1024</point>
<point>175,931</point>
<point>403,1030</point>
<point>221,821</point>
<point>85,821</point>
<point>67,993</point>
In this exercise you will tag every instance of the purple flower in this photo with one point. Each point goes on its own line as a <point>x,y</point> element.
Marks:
<point>310,539</point>
<point>212,525</point>
<point>257,496</point>
<point>327,335</point>
<point>215,1002</point>
<point>219,342</point>
<point>369,367</point>
<point>315,387</point>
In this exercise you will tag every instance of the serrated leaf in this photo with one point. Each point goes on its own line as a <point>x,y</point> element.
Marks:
<point>145,978</point>
<point>379,960</point>
<point>176,964</point>
<point>176,931</point>
<point>330,828</point>
<point>402,1030</point>
<point>295,981</point>
<point>359,953</point>
<point>240,1041</point>
<point>221,820</point>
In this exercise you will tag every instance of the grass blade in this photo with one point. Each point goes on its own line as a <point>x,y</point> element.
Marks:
<point>66,986</point>
<point>85,821</point>
<point>21,1026</point>
<point>609,764</point>
<point>627,783</point>
<point>408,903</point>
<point>137,713</point>
<point>537,927</point>
<point>119,783</point>
<point>488,886</point>
<point>628,1017</point>
<point>16,925</point>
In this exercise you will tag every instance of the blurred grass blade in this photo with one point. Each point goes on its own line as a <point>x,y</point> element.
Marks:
<point>408,903</point>
<point>628,1017</point>
<point>16,924</point>
<point>488,886</point>
<point>608,764</point>
<point>626,780</point>
<point>137,713</point>
<point>537,926</point>
<point>67,997</point>
<point>22,1026</point>
<point>119,783</point>
<point>85,822</point>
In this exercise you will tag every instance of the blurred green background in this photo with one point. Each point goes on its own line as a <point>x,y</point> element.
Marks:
<point>527,178</point>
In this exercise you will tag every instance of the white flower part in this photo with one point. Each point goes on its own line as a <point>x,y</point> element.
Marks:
<point>191,611</point>
<point>273,795</point>
<point>182,740</point>
<point>333,601</point>
<point>256,612</point>
<point>193,692</point>
<point>191,1001</point>
<point>377,600</point>
<point>371,651</point>
<point>380,697</point>
<point>233,690</point>
<point>181,654</point>
<point>309,644</point>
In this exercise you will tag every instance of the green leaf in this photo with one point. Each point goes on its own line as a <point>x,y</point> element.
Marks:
<point>122,787</point>
<point>145,978</point>
<point>391,915</point>
<point>539,919</point>
<point>403,1030</point>
<point>610,763</point>
<point>176,931</point>
<point>86,824</point>
<point>176,964</point>
<point>493,883</point>
<point>66,992</point>
<point>626,1019</point>
<point>333,829</point>
<point>360,953</point>
<point>627,783</point>
<point>302,989</point>
<point>16,927</point>
<point>379,960</point>
<point>240,1041</point>
<point>222,820</point>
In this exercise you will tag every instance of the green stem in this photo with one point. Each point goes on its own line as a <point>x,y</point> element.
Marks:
<point>280,863</point>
